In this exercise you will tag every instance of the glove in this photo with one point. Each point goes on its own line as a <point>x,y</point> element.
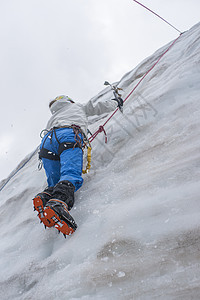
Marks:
<point>120,102</point>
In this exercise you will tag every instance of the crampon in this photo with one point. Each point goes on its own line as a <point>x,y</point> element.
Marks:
<point>50,218</point>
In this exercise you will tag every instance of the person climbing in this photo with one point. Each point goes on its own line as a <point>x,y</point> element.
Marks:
<point>62,157</point>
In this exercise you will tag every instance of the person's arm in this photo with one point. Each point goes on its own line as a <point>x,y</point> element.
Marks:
<point>99,108</point>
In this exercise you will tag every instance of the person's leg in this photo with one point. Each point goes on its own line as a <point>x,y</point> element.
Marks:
<point>70,179</point>
<point>52,170</point>
<point>69,176</point>
<point>45,195</point>
<point>71,164</point>
<point>50,159</point>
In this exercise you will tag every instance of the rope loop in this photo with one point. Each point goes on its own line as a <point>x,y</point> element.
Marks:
<point>102,129</point>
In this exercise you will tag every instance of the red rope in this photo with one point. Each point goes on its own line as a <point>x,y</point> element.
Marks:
<point>152,67</point>
<point>101,128</point>
<point>157,15</point>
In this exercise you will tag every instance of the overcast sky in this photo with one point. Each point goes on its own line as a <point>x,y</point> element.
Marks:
<point>53,47</point>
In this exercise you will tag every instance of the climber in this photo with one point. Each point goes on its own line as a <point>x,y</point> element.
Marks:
<point>62,157</point>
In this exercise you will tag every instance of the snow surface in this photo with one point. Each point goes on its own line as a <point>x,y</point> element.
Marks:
<point>138,210</point>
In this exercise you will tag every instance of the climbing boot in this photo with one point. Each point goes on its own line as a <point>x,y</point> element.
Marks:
<point>40,200</point>
<point>54,209</point>
<point>64,191</point>
<point>56,214</point>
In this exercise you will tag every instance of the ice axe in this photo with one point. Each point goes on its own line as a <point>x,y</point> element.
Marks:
<point>117,95</point>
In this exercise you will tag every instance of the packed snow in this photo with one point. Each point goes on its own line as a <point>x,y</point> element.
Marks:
<point>138,233</point>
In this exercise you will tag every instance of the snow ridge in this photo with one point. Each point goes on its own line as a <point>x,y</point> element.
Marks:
<point>138,210</point>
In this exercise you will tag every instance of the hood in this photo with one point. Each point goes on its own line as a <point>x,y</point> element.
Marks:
<point>59,104</point>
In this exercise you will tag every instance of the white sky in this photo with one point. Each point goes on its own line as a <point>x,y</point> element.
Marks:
<point>53,47</point>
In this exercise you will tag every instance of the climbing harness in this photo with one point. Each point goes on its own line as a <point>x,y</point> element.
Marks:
<point>79,143</point>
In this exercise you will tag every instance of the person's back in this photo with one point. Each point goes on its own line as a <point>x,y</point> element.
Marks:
<point>67,113</point>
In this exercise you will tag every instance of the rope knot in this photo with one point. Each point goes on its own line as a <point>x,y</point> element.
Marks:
<point>102,129</point>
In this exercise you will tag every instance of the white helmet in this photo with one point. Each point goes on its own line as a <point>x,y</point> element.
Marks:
<point>61,97</point>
